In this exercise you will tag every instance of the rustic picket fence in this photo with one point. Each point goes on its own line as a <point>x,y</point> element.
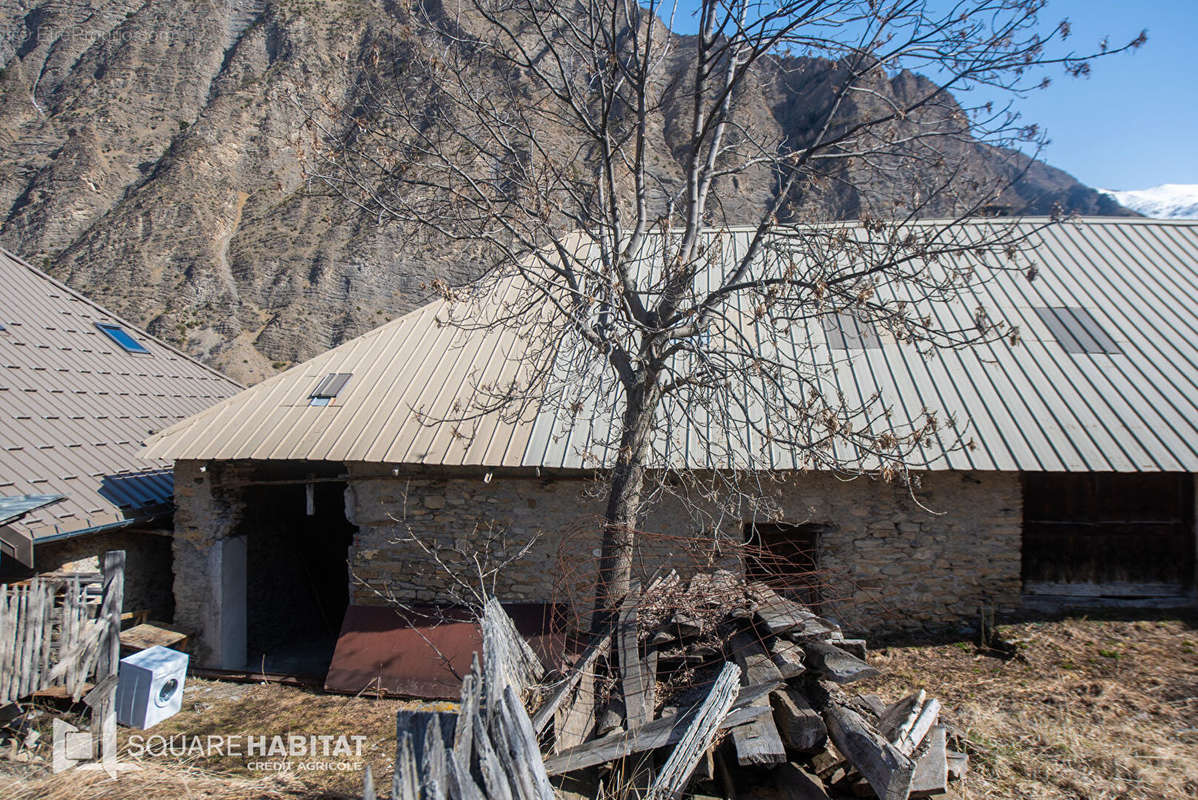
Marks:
<point>488,749</point>
<point>58,630</point>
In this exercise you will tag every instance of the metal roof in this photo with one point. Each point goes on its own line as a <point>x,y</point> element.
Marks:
<point>1034,406</point>
<point>76,407</point>
<point>13,508</point>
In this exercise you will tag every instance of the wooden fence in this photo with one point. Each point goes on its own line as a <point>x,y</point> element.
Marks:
<point>64,630</point>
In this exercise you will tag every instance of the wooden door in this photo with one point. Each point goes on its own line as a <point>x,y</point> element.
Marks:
<point>1108,534</point>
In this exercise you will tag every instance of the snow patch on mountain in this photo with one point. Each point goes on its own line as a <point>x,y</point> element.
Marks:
<point>1167,201</point>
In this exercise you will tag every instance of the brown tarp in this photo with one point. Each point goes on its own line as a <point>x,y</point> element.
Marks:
<point>423,652</point>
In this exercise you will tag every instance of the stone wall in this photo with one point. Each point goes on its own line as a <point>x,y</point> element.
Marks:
<point>206,514</point>
<point>148,573</point>
<point>890,563</point>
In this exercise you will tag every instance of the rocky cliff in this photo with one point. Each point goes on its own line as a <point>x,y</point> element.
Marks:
<point>150,155</point>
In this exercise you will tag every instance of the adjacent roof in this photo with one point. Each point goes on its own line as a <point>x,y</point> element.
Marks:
<point>1036,406</point>
<point>75,407</point>
<point>13,508</point>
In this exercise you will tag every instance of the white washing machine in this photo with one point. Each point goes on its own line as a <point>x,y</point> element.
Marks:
<point>150,686</point>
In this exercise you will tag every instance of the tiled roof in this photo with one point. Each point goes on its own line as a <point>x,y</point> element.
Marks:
<point>75,407</point>
<point>1041,405</point>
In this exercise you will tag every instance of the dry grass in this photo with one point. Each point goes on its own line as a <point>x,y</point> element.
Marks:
<point>1090,708</point>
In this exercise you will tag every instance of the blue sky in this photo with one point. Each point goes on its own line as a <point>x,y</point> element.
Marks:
<point>1133,123</point>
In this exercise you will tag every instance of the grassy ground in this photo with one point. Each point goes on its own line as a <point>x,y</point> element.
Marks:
<point>1090,708</point>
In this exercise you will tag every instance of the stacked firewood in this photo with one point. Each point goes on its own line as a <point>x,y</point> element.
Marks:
<point>793,722</point>
<point>697,688</point>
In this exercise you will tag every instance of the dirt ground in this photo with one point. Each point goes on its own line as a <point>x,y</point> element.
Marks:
<point>1088,708</point>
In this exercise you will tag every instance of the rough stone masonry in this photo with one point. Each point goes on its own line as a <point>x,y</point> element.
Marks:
<point>893,561</point>
<point>888,562</point>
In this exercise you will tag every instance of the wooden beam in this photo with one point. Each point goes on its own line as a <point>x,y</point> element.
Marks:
<point>635,680</point>
<point>801,726</point>
<point>672,779</point>
<point>754,661</point>
<point>757,742</point>
<point>931,768</point>
<point>658,733</point>
<point>886,769</point>
<point>795,783</point>
<point>829,661</point>
<point>787,657</point>
<point>586,662</point>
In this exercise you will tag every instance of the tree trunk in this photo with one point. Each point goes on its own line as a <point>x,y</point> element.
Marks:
<point>624,501</point>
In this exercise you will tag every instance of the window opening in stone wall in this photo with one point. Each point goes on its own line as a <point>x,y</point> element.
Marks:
<point>786,557</point>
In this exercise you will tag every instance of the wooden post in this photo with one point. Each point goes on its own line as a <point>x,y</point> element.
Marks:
<point>104,712</point>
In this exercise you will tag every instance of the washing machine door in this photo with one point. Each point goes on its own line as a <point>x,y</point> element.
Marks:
<point>166,691</point>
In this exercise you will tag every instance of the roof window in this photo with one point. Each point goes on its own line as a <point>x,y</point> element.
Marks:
<point>329,387</point>
<point>121,337</point>
<point>1077,330</point>
<point>846,332</point>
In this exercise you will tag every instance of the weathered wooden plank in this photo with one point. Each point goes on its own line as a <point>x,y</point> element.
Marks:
<point>757,742</point>
<point>958,764</point>
<point>672,779</point>
<point>886,769</point>
<point>576,720</point>
<point>368,792</point>
<point>634,678</point>
<point>787,657</point>
<point>7,627</point>
<point>829,661</point>
<point>524,746</point>
<point>931,768</point>
<point>658,733</point>
<point>795,783</point>
<point>754,661</point>
<point>801,726</point>
<point>586,662</point>
<point>779,615</point>
<point>912,735</point>
<point>110,652</point>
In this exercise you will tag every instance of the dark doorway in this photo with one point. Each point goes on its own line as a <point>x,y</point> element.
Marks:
<point>1108,534</point>
<point>297,576</point>
<point>786,557</point>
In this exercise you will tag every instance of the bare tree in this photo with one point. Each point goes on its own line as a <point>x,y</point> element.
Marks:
<point>594,163</point>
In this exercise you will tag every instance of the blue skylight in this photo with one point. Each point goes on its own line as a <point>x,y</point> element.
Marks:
<point>122,338</point>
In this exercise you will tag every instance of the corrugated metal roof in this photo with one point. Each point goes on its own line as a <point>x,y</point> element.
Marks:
<point>1034,406</point>
<point>76,407</point>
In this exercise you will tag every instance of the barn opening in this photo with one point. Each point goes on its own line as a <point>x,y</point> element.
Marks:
<point>297,575</point>
<point>1108,536</point>
<point>786,557</point>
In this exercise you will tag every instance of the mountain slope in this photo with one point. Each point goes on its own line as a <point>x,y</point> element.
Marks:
<point>1167,201</point>
<point>150,156</point>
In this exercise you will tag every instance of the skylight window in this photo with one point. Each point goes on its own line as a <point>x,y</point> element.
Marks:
<point>1077,330</point>
<point>329,387</point>
<point>846,332</point>
<point>121,337</point>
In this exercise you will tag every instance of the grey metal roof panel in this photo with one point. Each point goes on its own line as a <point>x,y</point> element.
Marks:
<point>75,407</point>
<point>1034,406</point>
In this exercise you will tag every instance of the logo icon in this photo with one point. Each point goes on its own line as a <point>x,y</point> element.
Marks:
<point>70,746</point>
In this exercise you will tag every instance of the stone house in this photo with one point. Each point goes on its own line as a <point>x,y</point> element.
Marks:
<point>80,390</point>
<point>337,481</point>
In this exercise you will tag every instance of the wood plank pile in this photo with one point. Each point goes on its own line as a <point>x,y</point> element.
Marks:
<point>793,723</point>
<point>703,688</point>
